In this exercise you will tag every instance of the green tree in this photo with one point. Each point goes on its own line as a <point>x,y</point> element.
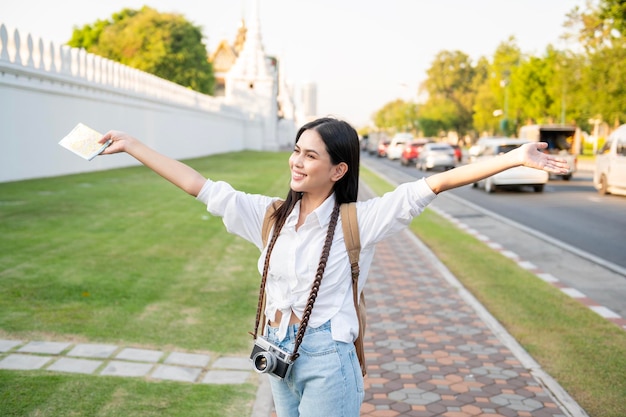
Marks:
<point>576,104</point>
<point>437,116</point>
<point>397,116</point>
<point>506,61</point>
<point>605,79</point>
<point>598,29</point>
<point>486,111</point>
<point>530,95</point>
<point>451,81</point>
<point>615,11</point>
<point>486,106</point>
<point>589,27</point>
<point>163,44</point>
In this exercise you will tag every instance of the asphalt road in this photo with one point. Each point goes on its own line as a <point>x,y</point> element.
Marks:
<point>571,212</point>
<point>569,230</point>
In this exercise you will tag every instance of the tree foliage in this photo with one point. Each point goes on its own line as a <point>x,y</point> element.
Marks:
<point>397,116</point>
<point>450,89</point>
<point>615,11</point>
<point>163,44</point>
<point>499,94</point>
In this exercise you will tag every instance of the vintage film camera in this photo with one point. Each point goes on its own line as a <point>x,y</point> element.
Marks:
<point>267,358</point>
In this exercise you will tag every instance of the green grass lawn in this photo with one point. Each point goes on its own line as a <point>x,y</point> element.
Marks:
<point>124,257</point>
<point>42,393</point>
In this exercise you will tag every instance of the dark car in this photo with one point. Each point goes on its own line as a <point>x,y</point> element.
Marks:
<point>411,151</point>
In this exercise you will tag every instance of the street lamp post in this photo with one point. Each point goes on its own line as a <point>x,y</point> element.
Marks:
<point>504,123</point>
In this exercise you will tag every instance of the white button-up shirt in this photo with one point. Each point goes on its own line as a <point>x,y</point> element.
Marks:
<point>296,254</point>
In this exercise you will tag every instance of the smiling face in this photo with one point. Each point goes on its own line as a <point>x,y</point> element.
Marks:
<point>312,170</point>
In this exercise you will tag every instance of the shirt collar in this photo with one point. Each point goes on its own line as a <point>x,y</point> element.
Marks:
<point>322,213</point>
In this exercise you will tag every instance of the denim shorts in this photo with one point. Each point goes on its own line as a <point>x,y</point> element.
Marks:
<point>325,380</point>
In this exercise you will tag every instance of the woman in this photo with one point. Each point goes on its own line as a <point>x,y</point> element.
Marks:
<point>325,379</point>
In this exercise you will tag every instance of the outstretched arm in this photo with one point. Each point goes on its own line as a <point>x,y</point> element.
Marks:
<point>529,155</point>
<point>179,174</point>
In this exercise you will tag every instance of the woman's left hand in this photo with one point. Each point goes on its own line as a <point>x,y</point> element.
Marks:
<point>533,157</point>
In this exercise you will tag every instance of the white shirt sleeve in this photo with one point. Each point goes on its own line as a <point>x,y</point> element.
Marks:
<point>241,213</point>
<point>383,216</point>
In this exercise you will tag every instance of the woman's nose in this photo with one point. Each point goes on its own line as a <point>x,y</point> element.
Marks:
<point>297,160</point>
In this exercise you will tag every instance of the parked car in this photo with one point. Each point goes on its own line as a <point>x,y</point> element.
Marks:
<point>610,171</point>
<point>477,148</point>
<point>458,153</point>
<point>397,145</point>
<point>512,177</point>
<point>383,145</point>
<point>411,151</point>
<point>436,155</point>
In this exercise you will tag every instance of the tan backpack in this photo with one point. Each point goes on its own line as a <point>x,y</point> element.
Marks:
<point>353,246</point>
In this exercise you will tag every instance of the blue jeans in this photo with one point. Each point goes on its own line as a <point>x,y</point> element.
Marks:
<point>325,380</point>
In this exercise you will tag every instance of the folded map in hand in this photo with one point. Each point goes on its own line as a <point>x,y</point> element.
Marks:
<point>83,141</point>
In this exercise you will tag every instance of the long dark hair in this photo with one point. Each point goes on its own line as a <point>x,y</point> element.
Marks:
<point>342,144</point>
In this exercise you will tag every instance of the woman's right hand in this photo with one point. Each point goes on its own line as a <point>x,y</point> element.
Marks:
<point>120,142</point>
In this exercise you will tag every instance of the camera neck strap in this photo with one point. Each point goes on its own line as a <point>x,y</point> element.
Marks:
<point>316,282</point>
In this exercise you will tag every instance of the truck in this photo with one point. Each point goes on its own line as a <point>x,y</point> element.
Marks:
<point>562,140</point>
<point>609,176</point>
<point>375,139</point>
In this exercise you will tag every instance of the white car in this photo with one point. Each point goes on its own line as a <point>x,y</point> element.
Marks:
<point>478,147</point>
<point>395,148</point>
<point>512,177</point>
<point>436,155</point>
<point>609,176</point>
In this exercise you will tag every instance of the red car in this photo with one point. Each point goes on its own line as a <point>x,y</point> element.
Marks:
<point>411,151</point>
<point>458,153</point>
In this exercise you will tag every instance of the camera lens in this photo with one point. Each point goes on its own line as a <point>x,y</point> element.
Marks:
<point>264,362</point>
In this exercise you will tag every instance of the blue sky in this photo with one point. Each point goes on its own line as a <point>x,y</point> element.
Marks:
<point>361,53</point>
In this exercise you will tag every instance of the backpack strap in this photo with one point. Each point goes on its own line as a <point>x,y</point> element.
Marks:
<point>352,239</point>
<point>268,222</point>
<point>351,232</point>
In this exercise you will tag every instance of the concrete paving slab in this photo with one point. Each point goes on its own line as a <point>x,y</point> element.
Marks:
<point>7,345</point>
<point>88,350</point>
<point>75,366</point>
<point>233,363</point>
<point>120,368</point>
<point>225,377</point>
<point>24,362</point>
<point>140,355</point>
<point>187,359</point>
<point>52,348</point>
<point>176,373</point>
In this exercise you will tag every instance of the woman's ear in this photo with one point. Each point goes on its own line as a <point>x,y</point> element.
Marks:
<point>339,171</point>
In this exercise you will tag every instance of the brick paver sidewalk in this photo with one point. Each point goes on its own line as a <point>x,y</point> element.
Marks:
<point>428,351</point>
<point>431,353</point>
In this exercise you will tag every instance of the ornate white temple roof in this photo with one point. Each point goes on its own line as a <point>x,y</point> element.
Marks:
<point>251,63</point>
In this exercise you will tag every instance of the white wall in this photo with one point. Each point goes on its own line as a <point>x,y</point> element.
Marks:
<point>45,91</point>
